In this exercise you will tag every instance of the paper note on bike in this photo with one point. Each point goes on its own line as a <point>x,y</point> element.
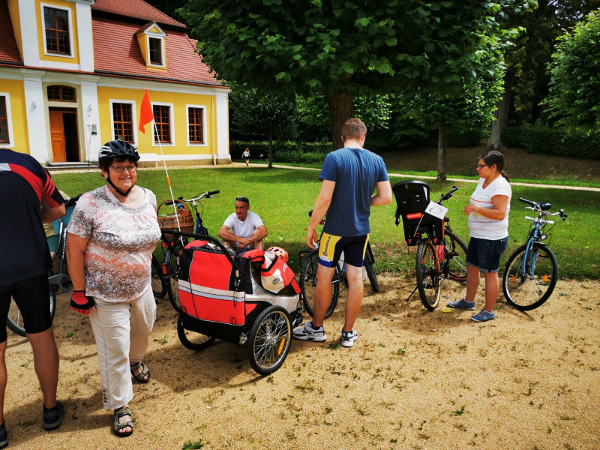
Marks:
<point>436,210</point>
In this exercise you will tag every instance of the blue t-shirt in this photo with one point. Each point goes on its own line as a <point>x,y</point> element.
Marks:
<point>355,172</point>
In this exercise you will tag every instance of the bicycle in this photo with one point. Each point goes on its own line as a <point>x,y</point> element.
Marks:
<point>442,254</point>
<point>531,271</point>
<point>308,276</point>
<point>167,272</point>
<point>57,281</point>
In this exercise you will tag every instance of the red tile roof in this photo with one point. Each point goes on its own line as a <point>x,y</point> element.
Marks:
<point>137,9</point>
<point>9,52</point>
<point>117,51</point>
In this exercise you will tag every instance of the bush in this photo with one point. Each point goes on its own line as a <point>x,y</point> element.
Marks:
<point>455,138</point>
<point>285,151</point>
<point>540,139</point>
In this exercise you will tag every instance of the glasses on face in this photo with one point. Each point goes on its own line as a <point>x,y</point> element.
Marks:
<point>120,169</point>
<point>481,166</point>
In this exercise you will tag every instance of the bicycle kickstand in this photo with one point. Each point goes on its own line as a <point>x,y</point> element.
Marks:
<point>415,290</point>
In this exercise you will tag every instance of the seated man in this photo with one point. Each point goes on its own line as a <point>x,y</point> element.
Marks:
<point>243,230</point>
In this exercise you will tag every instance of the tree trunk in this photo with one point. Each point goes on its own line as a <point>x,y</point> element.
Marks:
<point>270,148</point>
<point>340,110</point>
<point>501,114</point>
<point>442,144</point>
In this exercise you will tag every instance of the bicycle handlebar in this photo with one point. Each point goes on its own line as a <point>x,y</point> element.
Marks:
<point>447,195</point>
<point>542,208</point>
<point>206,194</point>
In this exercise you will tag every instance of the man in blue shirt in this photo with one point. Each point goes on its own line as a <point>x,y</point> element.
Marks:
<point>349,177</point>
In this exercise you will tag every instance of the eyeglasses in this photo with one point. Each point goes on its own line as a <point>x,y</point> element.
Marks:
<point>120,169</point>
<point>480,166</point>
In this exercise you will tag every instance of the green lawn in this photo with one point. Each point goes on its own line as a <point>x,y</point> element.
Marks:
<point>283,198</point>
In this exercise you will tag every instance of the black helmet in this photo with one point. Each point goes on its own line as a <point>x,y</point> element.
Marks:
<point>116,149</point>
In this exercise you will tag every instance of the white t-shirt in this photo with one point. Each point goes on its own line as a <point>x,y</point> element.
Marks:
<point>246,228</point>
<point>246,155</point>
<point>481,227</point>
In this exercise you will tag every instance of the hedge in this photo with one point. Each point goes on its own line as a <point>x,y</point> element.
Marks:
<point>285,151</point>
<point>541,139</point>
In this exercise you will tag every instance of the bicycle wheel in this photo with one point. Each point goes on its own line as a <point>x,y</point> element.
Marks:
<point>369,262</point>
<point>269,340</point>
<point>455,253</point>
<point>173,286</point>
<point>308,283</point>
<point>14,321</point>
<point>191,339</point>
<point>428,280</point>
<point>530,276</point>
<point>158,289</point>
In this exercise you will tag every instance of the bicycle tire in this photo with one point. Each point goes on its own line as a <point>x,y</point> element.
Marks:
<point>14,320</point>
<point>455,253</point>
<point>158,288</point>
<point>173,285</point>
<point>371,274</point>
<point>269,340</point>
<point>192,339</point>
<point>428,280</point>
<point>308,282</point>
<point>527,291</point>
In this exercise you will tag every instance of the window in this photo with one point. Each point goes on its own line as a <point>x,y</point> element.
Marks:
<point>162,121</point>
<point>123,122</point>
<point>195,125</point>
<point>61,93</point>
<point>4,136</point>
<point>155,48</point>
<point>56,23</point>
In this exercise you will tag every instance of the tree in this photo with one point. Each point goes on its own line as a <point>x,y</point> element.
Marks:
<point>575,78</point>
<point>344,48</point>
<point>262,115</point>
<point>473,110</point>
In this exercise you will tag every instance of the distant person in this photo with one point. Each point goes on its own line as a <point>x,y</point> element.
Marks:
<point>246,155</point>
<point>110,239</point>
<point>243,230</point>
<point>28,199</point>
<point>488,227</point>
<point>349,177</point>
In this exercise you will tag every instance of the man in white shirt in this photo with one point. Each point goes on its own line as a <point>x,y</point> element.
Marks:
<point>243,230</point>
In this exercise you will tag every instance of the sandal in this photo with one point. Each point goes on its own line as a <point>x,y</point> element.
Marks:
<point>118,426</point>
<point>144,375</point>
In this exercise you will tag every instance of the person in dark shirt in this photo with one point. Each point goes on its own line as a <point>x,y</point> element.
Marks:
<point>28,198</point>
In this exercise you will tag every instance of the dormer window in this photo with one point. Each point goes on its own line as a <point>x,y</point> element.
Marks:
<point>155,49</point>
<point>57,31</point>
<point>153,45</point>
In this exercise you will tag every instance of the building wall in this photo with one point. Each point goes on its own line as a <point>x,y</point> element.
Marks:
<point>13,89</point>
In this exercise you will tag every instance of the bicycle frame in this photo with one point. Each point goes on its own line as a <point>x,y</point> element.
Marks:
<point>61,280</point>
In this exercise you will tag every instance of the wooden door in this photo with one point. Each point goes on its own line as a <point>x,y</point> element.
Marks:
<point>57,135</point>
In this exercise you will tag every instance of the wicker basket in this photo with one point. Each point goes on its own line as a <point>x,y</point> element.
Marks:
<point>186,220</point>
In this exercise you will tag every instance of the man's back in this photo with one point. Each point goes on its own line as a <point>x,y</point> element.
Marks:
<point>356,172</point>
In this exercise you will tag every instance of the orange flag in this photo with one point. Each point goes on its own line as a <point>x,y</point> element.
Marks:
<point>146,115</point>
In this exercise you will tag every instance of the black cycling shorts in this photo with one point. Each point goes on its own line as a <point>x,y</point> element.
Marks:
<point>32,297</point>
<point>331,247</point>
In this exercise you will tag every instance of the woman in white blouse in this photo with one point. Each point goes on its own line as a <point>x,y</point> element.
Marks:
<point>488,227</point>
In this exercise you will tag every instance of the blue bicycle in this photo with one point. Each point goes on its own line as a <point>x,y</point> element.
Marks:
<point>532,271</point>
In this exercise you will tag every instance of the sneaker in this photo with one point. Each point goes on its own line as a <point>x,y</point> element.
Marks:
<point>462,304</point>
<point>483,316</point>
<point>308,333</point>
<point>348,338</point>
<point>53,417</point>
<point>3,436</point>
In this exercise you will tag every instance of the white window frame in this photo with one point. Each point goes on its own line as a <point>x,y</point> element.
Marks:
<point>71,33</point>
<point>133,118</point>
<point>11,135</point>
<point>187,122</point>
<point>163,49</point>
<point>171,124</point>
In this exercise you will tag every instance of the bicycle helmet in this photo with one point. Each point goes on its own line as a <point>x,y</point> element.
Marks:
<point>118,149</point>
<point>282,253</point>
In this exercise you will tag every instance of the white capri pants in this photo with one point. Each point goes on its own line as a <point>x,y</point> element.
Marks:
<point>122,331</point>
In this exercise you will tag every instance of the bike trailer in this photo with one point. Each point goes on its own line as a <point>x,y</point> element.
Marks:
<point>222,295</point>
<point>412,198</point>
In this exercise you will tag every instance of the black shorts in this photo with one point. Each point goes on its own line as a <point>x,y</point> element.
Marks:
<point>32,297</point>
<point>331,247</point>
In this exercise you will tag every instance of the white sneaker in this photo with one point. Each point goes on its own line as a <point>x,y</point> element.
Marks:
<point>348,338</point>
<point>309,333</point>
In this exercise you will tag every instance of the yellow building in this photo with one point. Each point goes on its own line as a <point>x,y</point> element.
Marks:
<point>73,75</point>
